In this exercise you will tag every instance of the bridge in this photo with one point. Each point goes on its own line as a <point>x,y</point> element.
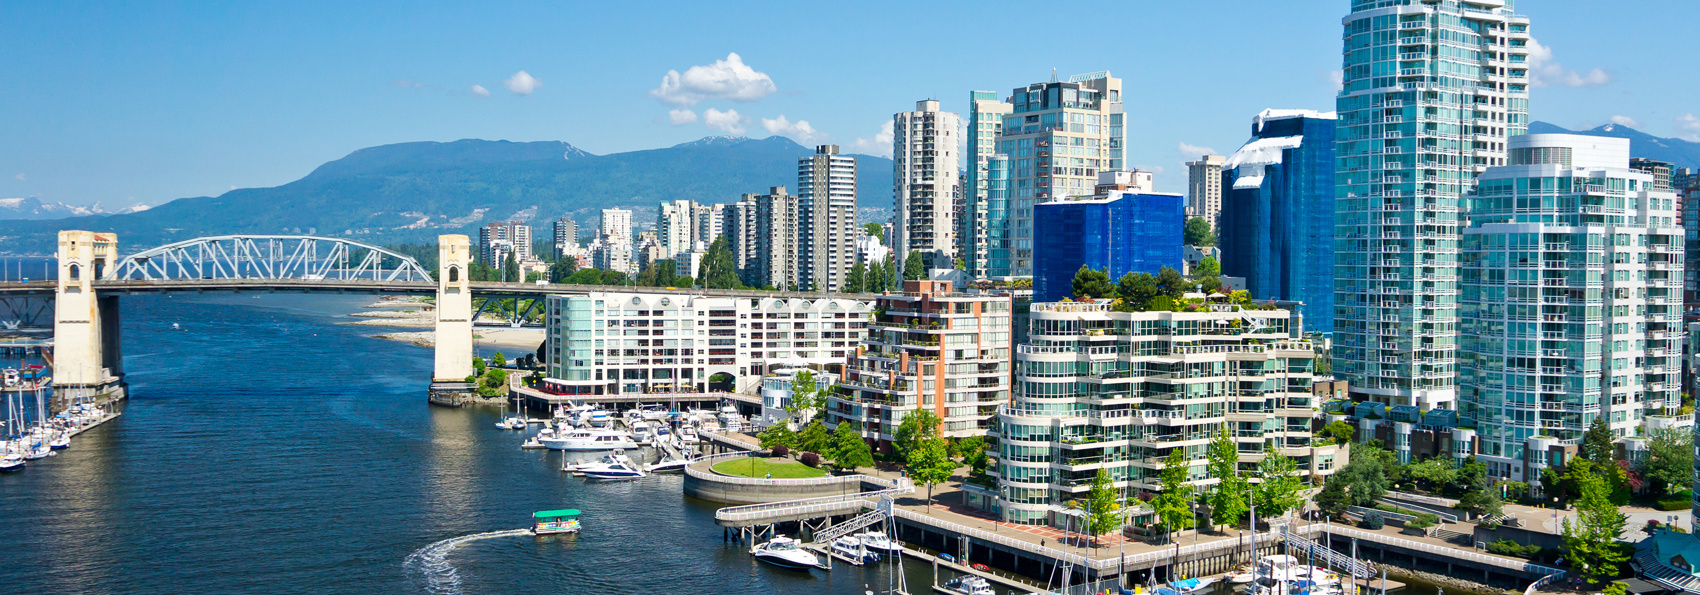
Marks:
<point>91,277</point>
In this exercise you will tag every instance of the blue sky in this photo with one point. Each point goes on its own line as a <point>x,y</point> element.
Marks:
<point>150,101</point>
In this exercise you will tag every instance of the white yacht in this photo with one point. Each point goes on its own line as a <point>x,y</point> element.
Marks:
<point>617,457</point>
<point>590,440</point>
<point>968,584</point>
<point>669,466</point>
<point>642,431</point>
<point>876,541</point>
<point>10,462</point>
<point>618,468</point>
<point>851,549</point>
<point>729,417</point>
<point>785,552</point>
<point>653,412</point>
<point>60,441</point>
<point>688,434</point>
<point>596,418</point>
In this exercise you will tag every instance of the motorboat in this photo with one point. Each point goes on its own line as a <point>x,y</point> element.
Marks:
<point>592,439</point>
<point>512,423</point>
<point>1192,585</point>
<point>631,415</point>
<point>597,418</point>
<point>876,541</point>
<point>1319,575</point>
<point>1280,568</point>
<point>688,434</point>
<point>968,584</point>
<point>1242,575</point>
<point>642,431</point>
<point>785,552</point>
<point>61,441</point>
<point>617,457</point>
<point>851,549</point>
<point>11,462</point>
<point>554,522</point>
<point>729,417</point>
<point>669,466</point>
<point>619,468</point>
<point>653,412</point>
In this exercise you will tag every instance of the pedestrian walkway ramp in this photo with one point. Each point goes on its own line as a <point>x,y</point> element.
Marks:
<point>1333,559</point>
<point>807,508</point>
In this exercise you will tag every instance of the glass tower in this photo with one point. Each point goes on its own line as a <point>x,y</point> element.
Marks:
<point>1571,302</point>
<point>1277,218</point>
<point>985,123</point>
<point>1123,231</point>
<point>1430,91</point>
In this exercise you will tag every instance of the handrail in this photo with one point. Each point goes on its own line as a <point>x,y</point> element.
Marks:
<point>1536,586</point>
<point>1435,500</point>
<point>860,499</point>
<point>1499,561</point>
<point>1444,515</point>
<point>760,481</point>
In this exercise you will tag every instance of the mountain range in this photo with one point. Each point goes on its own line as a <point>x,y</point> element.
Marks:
<point>32,208</point>
<point>1677,152</point>
<point>412,192</point>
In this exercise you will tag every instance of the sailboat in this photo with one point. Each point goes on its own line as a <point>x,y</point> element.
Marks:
<point>517,422</point>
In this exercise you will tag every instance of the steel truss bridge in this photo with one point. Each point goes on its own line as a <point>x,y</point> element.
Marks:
<point>307,258</point>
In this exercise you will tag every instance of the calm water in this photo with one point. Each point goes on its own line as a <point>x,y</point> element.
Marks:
<point>269,449</point>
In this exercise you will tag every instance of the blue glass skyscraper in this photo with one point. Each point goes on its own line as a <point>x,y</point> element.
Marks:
<point>1126,232</point>
<point>1277,221</point>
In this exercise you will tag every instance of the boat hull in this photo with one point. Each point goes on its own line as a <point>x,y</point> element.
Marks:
<point>784,562</point>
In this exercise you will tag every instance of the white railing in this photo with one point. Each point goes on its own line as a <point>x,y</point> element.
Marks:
<point>824,504</point>
<point>1434,500</point>
<point>1452,552</point>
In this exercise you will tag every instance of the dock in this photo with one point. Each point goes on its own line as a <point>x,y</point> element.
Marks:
<point>1376,586</point>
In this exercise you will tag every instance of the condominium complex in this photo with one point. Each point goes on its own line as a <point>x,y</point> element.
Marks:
<point>1125,228</point>
<point>638,343</point>
<point>613,246</point>
<point>826,201</point>
<point>973,227</point>
<point>675,227</point>
<point>1276,228</point>
<point>1118,391</point>
<point>767,242</point>
<point>1204,187</point>
<point>565,237</point>
<point>925,182</point>
<point>497,240</point>
<point>1058,135</point>
<point>930,347</point>
<point>1571,306</point>
<point>1662,171</point>
<point>1431,91</point>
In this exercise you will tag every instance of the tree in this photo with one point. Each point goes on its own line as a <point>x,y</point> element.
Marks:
<point>1433,472</point>
<point>1596,443</point>
<point>806,396</point>
<point>875,230</point>
<point>1334,497</point>
<point>1104,515</point>
<point>1591,541</point>
<point>930,465</point>
<point>814,438</point>
<point>1174,504</point>
<point>1210,284</point>
<point>1279,491</point>
<point>973,449</point>
<point>1136,290</point>
<point>1228,499</point>
<point>856,279</point>
<point>777,435</point>
<point>562,268</point>
<point>1198,233</point>
<point>1669,461</point>
<point>1339,430</point>
<point>1090,283</point>
<point>1365,476</point>
<point>499,360</point>
<point>719,268</point>
<point>478,366</point>
<point>1171,283</point>
<point>916,426</point>
<point>510,269</point>
<point>1208,267</point>
<point>849,450</point>
<point>913,267</point>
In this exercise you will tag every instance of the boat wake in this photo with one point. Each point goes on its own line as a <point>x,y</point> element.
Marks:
<point>431,562</point>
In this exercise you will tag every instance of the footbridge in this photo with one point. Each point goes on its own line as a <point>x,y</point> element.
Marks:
<point>91,277</point>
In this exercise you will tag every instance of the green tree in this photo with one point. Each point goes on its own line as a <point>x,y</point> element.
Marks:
<point>1596,444</point>
<point>849,450</point>
<point>777,435</point>
<point>1198,233</point>
<point>1173,504</point>
<point>1279,491</point>
<point>1669,461</point>
<point>1433,472</point>
<point>1228,499</point>
<point>562,268</point>
<point>1591,540</point>
<point>719,269</point>
<point>1090,283</point>
<point>1104,514</point>
<point>478,366</point>
<point>1136,290</point>
<point>1171,283</point>
<point>1210,284</point>
<point>857,279</point>
<point>814,438</point>
<point>1208,267</point>
<point>1365,475</point>
<point>1339,430</point>
<point>499,360</point>
<point>510,269</point>
<point>973,449</point>
<point>806,396</point>
<point>914,268</point>
<point>1335,497</point>
<point>916,426</point>
<point>930,465</point>
<point>875,230</point>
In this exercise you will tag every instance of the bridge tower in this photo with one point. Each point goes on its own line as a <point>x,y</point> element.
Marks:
<point>87,357</point>
<point>454,321</point>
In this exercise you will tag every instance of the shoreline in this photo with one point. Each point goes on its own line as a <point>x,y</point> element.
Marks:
<point>415,314</point>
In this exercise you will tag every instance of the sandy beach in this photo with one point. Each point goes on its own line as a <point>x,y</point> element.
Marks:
<point>415,313</point>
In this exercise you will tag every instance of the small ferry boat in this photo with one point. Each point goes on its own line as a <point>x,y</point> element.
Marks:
<point>968,585</point>
<point>785,552</point>
<point>592,439</point>
<point>554,522</point>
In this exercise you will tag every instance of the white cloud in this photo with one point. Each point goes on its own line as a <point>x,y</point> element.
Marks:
<point>1193,152</point>
<point>724,79</point>
<point>1154,169</point>
<point>680,117</point>
<point>1625,121</point>
<point>878,144</point>
<point>480,91</point>
<point>1687,123</point>
<point>725,121</point>
<point>799,131</point>
<point>20,177</point>
<point>522,83</point>
<point>1546,72</point>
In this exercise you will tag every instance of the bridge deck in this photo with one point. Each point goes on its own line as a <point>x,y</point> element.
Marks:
<point>479,289</point>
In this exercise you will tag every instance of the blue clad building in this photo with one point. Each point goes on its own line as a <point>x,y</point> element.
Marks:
<point>1277,224</point>
<point>1128,232</point>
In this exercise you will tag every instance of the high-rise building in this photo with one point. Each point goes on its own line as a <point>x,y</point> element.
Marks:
<point>973,227</point>
<point>1661,171</point>
<point>709,220</point>
<point>1276,226</point>
<point>997,217</point>
<point>615,242</point>
<point>1431,90</point>
<point>1058,135</point>
<point>1571,306</point>
<point>768,243</point>
<point>1083,404</point>
<point>826,199</point>
<point>1204,188</point>
<point>497,240</point>
<point>1126,228</point>
<point>925,183</point>
<point>1683,178</point>
<point>676,227</point>
<point>566,237</point>
<point>930,347</point>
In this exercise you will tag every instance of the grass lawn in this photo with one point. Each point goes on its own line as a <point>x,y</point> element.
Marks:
<point>780,467</point>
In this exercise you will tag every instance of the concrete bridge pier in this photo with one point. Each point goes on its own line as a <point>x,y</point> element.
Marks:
<point>454,322</point>
<point>87,354</point>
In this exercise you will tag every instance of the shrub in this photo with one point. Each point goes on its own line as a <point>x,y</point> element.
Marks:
<point>810,459</point>
<point>1672,504</point>
<point>781,450</point>
<point>1423,521</point>
<point>1372,520</point>
<point>1506,547</point>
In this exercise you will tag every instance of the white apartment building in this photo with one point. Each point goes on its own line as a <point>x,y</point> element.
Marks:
<point>642,343</point>
<point>615,242</point>
<point>826,201</point>
<point>926,184</point>
<point>496,240</point>
<point>974,224</point>
<point>1204,187</point>
<point>566,238</point>
<point>675,227</point>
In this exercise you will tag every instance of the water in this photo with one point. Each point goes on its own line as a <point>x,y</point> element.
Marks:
<point>21,268</point>
<point>268,448</point>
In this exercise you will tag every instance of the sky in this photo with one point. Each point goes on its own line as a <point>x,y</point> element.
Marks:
<point>130,102</point>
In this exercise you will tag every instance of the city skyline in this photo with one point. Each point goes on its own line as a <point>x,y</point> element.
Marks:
<point>215,101</point>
